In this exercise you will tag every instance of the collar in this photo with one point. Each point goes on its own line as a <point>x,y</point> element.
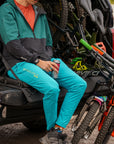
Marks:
<point>36,8</point>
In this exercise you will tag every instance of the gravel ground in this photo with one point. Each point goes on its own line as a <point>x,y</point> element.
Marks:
<point>83,141</point>
<point>18,134</point>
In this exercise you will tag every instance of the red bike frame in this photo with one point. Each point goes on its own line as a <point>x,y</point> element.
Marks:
<point>112,30</point>
<point>111,103</point>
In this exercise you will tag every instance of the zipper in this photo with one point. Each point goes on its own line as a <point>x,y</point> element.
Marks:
<point>33,34</point>
<point>37,16</point>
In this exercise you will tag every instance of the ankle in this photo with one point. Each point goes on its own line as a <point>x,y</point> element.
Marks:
<point>58,128</point>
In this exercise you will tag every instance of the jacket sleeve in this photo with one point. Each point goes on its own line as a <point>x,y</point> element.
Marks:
<point>10,36</point>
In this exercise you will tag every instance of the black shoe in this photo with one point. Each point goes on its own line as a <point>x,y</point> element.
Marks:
<point>53,137</point>
<point>61,135</point>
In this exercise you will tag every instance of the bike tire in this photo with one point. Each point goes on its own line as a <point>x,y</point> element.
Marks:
<point>63,21</point>
<point>104,130</point>
<point>78,134</point>
<point>62,12</point>
<point>80,13</point>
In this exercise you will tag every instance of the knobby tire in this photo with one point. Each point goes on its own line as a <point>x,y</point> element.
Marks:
<point>63,21</point>
<point>104,130</point>
<point>78,134</point>
<point>80,13</point>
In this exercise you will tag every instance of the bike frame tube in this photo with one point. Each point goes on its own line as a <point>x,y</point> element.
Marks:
<point>112,30</point>
<point>111,103</point>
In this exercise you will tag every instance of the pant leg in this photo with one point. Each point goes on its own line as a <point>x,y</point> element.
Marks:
<point>40,80</point>
<point>76,87</point>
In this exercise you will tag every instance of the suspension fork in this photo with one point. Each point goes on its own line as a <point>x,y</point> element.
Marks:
<point>85,107</point>
<point>102,102</point>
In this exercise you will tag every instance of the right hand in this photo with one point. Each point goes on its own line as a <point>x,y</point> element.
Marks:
<point>47,65</point>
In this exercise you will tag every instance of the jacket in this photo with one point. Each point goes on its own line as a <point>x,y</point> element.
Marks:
<point>20,42</point>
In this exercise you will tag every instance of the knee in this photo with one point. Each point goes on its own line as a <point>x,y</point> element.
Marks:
<point>80,84</point>
<point>83,84</point>
<point>53,92</point>
<point>54,89</point>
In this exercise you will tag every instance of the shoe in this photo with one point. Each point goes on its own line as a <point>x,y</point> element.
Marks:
<point>53,137</point>
<point>60,134</point>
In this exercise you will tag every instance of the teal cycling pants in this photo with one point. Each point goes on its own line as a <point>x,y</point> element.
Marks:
<point>44,83</point>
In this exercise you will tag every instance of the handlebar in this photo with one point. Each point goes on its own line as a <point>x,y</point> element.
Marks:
<point>100,55</point>
<point>101,52</point>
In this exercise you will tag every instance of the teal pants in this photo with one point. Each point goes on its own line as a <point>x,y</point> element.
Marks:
<point>44,83</point>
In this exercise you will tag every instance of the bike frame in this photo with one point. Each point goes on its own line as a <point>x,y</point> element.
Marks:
<point>112,30</point>
<point>102,102</point>
<point>110,104</point>
<point>107,62</point>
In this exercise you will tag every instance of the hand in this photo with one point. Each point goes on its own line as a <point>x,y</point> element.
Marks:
<point>47,65</point>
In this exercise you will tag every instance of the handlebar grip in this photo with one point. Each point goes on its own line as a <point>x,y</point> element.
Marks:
<point>86,44</point>
<point>106,55</point>
<point>105,59</point>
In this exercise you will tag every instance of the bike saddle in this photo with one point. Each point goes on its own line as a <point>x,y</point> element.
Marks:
<point>87,6</point>
<point>99,20</point>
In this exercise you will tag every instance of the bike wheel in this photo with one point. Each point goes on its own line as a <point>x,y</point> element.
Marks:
<point>78,134</point>
<point>62,22</point>
<point>104,130</point>
<point>57,14</point>
<point>80,13</point>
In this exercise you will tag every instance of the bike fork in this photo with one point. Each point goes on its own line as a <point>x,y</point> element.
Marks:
<point>85,107</point>
<point>102,102</point>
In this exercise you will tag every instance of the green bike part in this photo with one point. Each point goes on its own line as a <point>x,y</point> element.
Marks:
<point>76,59</point>
<point>83,42</point>
<point>79,67</point>
<point>93,38</point>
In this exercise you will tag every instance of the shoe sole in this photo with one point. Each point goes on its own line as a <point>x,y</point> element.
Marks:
<point>44,140</point>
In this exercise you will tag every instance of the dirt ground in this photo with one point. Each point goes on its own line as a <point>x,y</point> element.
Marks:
<point>19,134</point>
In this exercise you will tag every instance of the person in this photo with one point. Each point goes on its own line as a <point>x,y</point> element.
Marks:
<point>27,40</point>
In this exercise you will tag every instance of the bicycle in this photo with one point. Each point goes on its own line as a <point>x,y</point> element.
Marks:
<point>57,14</point>
<point>95,105</point>
<point>106,126</point>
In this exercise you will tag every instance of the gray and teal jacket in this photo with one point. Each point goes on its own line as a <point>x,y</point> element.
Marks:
<point>20,42</point>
